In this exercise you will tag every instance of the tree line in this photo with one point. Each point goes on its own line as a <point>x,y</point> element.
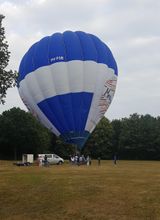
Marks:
<point>135,138</point>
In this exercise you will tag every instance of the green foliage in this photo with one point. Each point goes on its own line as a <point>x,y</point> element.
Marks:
<point>138,137</point>
<point>100,142</point>
<point>117,127</point>
<point>21,133</point>
<point>7,77</point>
<point>63,149</point>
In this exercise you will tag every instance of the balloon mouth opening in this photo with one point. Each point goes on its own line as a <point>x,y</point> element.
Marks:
<point>76,138</point>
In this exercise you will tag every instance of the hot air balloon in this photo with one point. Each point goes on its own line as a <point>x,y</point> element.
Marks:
<point>68,80</point>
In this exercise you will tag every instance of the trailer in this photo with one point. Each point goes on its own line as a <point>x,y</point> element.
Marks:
<point>27,158</point>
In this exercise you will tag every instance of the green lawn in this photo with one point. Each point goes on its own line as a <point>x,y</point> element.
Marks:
<point>129,190</point>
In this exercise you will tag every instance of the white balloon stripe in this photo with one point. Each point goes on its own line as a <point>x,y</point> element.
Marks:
<point>58,73</point>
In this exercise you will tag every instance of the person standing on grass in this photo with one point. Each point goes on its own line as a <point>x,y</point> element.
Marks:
<point>45,160</point>
<point>88,161</point>
<point>72,160</point>
<point>115,159</point>
<point>40,161</point>
<point>99,161</point>
<point>78,162</point>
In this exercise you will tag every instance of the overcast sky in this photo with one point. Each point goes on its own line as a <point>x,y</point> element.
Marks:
<point>129,28</point>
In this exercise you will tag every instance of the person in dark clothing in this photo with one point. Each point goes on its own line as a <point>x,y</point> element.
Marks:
<point>99,161</point>
<point>115,159</point>
<point>46,161</point>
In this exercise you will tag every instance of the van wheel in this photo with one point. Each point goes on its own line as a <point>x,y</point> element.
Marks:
<point>60,163</point>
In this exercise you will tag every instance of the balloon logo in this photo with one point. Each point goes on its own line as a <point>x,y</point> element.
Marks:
<point>68,81</point>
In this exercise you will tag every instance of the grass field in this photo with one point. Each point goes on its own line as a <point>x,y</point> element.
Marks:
<point>129,190</point>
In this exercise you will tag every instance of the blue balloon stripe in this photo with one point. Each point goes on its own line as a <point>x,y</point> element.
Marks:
<point>67,110</point>
<point>51,108</point>
<point>53,111</point>
<point>28,61</point>
<point>22,72</point>
<point>87,45</point>
<point>81,116</point>
<point>56,48</point>
<point>41,57</point>
<point>65,47</point>
<point>72,46</point>
<point>104,53</point>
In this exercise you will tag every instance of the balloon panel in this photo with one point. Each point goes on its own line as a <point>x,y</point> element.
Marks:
<point>68,81</point>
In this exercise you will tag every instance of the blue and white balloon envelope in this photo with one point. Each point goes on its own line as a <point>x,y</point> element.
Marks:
<point>68,81</point>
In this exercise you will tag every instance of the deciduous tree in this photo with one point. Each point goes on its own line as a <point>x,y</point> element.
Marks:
<point>7,77</point>
<point>21,133</point>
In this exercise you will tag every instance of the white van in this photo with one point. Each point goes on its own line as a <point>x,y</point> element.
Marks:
<point>52,158</point>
